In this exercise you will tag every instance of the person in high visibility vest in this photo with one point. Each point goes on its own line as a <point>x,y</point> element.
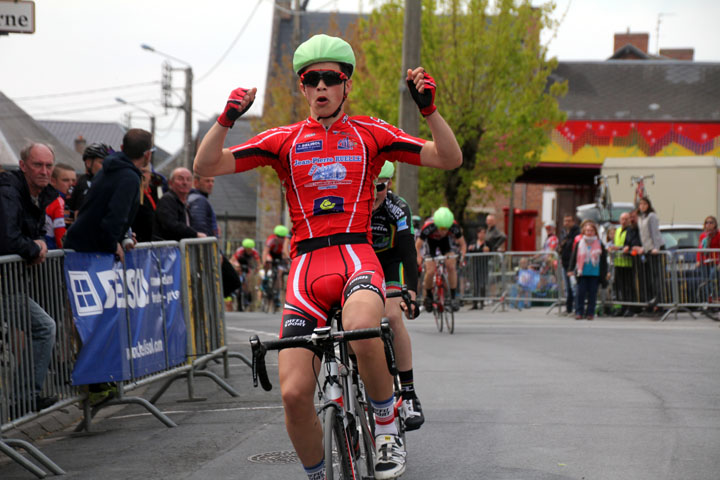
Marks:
<point>622,262</point>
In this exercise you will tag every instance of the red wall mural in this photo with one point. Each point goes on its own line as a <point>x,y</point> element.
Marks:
<point>592,142</point>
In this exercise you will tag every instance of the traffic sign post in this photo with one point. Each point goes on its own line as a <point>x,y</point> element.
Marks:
<point>17,17</point>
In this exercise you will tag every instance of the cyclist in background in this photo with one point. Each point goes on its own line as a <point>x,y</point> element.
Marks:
<point>246,261</point>
<point>274,255</point>
<point>441,232</point>
<point>394,245</point>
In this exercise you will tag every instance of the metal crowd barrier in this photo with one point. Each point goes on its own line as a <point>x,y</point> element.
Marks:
<point>45,283</point>
<point>667,282</point>
<point>515,279</point>
<point>20,287</point>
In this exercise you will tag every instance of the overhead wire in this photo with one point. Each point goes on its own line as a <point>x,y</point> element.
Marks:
<point>232,45</point>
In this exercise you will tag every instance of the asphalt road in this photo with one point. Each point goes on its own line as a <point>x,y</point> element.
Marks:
<point>511,395</point>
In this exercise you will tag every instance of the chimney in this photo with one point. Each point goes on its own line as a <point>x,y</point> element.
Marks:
<point>678,53</point>
<point>80,144</point>
<point>638,40</point>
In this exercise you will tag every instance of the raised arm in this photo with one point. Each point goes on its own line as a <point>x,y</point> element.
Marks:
<point>443,151</point>
<point>212,159</point>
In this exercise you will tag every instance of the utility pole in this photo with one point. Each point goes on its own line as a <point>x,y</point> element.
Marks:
<point>409,116</point>
<point>187,106</point>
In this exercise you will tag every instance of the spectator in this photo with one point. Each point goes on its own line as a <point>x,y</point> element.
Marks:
<point>708,261</point>
<point>652,243</point>
<point>172,219</point>
<point>622,263</point>
<point>202,215</point>
<point>24,196</point>
<point>203,219</point>
<point>93,157</point>
<point>113,199</point>
<point>527,280</point>
<point>495,238</point>
<point>551,242</point>
<point>709,238</point>
<point>570,231</point>
<point>480,266</point>
<point>588,264</point>
<point>109,210</point>
<point>142,226</point>
<point>62,180</point>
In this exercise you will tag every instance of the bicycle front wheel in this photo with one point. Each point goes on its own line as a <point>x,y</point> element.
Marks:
<point>364,443</point>
<point>438,304</point>
<point>338,465</point>
<point>448,310</point>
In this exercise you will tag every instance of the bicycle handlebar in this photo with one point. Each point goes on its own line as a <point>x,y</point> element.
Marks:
<point>320,337</point>
<point>409,302</point>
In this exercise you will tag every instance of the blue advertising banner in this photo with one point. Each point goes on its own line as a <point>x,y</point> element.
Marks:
<point>118,325</point>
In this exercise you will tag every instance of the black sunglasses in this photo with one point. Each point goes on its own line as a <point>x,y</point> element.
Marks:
<point>330,78</point>
<point>380,186</point>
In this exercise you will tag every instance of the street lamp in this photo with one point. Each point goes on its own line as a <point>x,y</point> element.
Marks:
<point>186,106</point>
<point>148,112</point>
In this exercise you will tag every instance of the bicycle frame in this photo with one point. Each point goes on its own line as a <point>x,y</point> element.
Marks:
<point>341,396</point>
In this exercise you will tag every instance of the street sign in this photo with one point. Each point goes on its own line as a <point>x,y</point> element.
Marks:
<point>17,17</point>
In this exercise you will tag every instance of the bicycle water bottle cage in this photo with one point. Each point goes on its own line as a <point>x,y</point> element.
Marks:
<point>321,333</point>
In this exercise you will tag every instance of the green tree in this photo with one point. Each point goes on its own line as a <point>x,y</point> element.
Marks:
<point>492,76</point>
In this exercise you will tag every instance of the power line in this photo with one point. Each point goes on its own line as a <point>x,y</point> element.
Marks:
<point>85,92</point>
<point>232,45</point>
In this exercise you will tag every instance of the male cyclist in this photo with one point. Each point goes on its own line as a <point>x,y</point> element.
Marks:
<point>394,244</point>
<point>327,165</point>
<point>274,255</point>
<point>441,232</point>
<point>246,261</point>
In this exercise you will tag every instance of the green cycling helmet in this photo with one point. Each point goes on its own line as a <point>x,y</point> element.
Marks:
<point>323,48</point>
<point>388,170</point>
<point>281,231</point>
<point>248,243</point>
<point>443,217</point>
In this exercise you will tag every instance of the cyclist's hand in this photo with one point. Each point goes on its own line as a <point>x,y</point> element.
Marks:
<point>422,90</point>
<point>240,100</point>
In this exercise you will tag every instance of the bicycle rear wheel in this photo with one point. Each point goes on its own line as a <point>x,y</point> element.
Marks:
<point>338,464</point>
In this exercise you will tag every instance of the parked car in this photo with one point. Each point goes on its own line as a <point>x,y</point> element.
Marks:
<point>681,236</point>
<point>604,218</point>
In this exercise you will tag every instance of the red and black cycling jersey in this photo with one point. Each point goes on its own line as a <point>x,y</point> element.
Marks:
<point>394,242</point>
<point>436,241</point>
<point>275,246</point>
<point>245,256</point>
<point>328,174</point>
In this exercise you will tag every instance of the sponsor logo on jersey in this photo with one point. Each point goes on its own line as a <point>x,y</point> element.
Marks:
<point>402,224</point>
<point>345,144</point>
<point>334,171</point>
<point>308,135</point>
<point>327,205</point>
<point>314,146</point>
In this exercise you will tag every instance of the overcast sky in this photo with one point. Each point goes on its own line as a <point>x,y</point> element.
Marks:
<point>93,47</point>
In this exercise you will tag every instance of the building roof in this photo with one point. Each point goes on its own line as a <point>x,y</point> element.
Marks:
<point>641,90</point>
<point>17,129</point>
<point>109,133</point>
<point>234,195</point>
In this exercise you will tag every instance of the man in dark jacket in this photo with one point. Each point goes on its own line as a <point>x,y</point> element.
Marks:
<point>113,199</point>
<point>172,219</point>
<point>24,196</point>
<point>570,231</point>
<point>202,215</point>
